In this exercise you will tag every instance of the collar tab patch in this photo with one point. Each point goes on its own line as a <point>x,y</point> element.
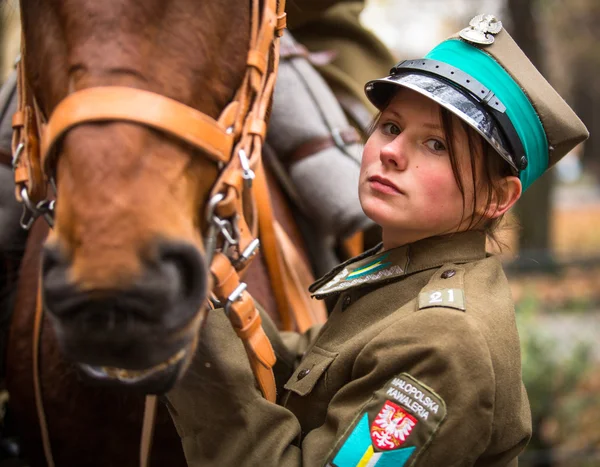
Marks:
<point>367,271</point>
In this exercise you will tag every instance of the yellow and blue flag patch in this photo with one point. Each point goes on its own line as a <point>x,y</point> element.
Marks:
<point>358,450</point>
<point>400,419</point>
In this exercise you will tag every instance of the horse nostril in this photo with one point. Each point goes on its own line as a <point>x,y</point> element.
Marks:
<point>54,265</point>
<point>51,258</point>
<point>183,261</point>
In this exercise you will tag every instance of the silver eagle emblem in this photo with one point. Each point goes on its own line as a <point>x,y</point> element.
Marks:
<point>482,29</point>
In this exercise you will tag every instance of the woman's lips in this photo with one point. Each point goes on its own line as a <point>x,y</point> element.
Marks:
<point>383,185</point>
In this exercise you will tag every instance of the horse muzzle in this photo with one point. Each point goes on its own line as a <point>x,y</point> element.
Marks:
<point>155,380</point>
<point>140,334</point>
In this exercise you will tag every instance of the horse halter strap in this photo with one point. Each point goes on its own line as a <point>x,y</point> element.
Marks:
<point>239,131</point>
<point>113,103</point>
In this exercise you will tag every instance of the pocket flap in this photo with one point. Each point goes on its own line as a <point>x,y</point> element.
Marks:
<point>310,370</point>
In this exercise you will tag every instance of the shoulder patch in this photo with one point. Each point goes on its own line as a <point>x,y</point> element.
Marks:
<point>393,427</point>
<point>448,298</point>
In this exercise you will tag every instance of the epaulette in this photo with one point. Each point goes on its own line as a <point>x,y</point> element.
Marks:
<point>445,289</point>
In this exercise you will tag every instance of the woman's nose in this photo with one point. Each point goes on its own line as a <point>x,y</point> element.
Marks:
<point>394,154</point>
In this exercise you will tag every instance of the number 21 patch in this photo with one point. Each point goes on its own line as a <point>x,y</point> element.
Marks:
<point>447,298</point>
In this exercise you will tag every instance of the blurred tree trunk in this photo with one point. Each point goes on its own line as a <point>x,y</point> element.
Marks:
<point>2,41</point>
<point>586,102</point>
<point>585,85</point>
<point>533,209</point>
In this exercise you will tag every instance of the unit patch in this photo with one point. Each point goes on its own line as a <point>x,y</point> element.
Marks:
<point>395,425</point>
<point>447,298</point>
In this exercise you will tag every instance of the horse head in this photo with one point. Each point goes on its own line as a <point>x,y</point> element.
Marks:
<point>124,272</point>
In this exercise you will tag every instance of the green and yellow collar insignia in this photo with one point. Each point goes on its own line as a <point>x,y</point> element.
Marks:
<point>370,268</point>
<point>382,266</point>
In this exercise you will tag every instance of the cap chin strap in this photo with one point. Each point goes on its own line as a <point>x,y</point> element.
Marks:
<point>233,141</point>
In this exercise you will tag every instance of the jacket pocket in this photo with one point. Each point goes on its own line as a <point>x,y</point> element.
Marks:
<point>310,370</point>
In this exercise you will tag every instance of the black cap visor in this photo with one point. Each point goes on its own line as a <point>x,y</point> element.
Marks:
<point>460,103</point>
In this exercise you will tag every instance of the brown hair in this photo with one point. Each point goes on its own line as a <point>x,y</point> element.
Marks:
<point>486,181</point>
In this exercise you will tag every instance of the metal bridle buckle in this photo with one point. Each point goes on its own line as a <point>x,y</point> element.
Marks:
<point>247,253</point>
<point>235,296</point>
<point>210,241</point>
<point>17,155</point>
<point>247,174</point>
<point>227,229</point>
<point>217,226</point>
<point>44,208</point>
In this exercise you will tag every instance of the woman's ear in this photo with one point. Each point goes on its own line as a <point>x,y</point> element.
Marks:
<point>507,194</point>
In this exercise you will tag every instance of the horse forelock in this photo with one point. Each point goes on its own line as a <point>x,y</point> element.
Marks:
<point>121,185</point>
<point>190,51</point>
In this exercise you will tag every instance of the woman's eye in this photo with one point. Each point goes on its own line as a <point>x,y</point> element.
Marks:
<point>390,129</point>
<point>435,145</point>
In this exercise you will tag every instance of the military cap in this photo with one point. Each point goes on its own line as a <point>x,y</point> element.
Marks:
<point>481,75</point>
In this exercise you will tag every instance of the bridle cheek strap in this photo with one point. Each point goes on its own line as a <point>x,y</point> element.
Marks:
<point>123,104</point>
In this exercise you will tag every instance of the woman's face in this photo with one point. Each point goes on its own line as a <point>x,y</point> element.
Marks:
<point>406,184</point>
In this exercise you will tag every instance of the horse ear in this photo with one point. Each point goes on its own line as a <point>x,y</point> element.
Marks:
<point>229,114</point>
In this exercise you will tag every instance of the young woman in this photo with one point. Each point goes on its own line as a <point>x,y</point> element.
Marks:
<point>419,362</point>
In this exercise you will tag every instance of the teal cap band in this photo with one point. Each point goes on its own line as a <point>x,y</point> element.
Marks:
<point>519,109</point>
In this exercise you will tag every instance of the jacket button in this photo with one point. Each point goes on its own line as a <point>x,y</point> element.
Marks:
<point>303,373</point>
<point>448,273</point>
<point>346,301</point>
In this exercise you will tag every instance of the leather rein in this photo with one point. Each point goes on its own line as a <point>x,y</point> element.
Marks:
<point>233,141</point>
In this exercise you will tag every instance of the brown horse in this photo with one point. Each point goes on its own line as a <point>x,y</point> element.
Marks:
<point>124,274</point>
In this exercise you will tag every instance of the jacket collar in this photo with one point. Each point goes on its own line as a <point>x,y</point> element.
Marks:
<point>379,266</point>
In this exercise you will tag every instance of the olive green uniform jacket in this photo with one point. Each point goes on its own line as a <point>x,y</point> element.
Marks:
<point>418,364</point>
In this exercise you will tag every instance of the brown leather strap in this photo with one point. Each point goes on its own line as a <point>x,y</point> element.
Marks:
<point>246,322</point>
<point>288,274</point>
<point>147,430</point>
<point>25,143</point>
<point>306,312</point>
<point>114,103</point>
<point>37,386</point>
<point>271,252</point>
<point>316,145</point>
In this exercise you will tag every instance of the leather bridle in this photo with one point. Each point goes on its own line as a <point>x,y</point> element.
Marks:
<point>233,141</point>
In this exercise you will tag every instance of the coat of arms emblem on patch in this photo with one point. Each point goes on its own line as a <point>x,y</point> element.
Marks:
<point>391,427</point>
